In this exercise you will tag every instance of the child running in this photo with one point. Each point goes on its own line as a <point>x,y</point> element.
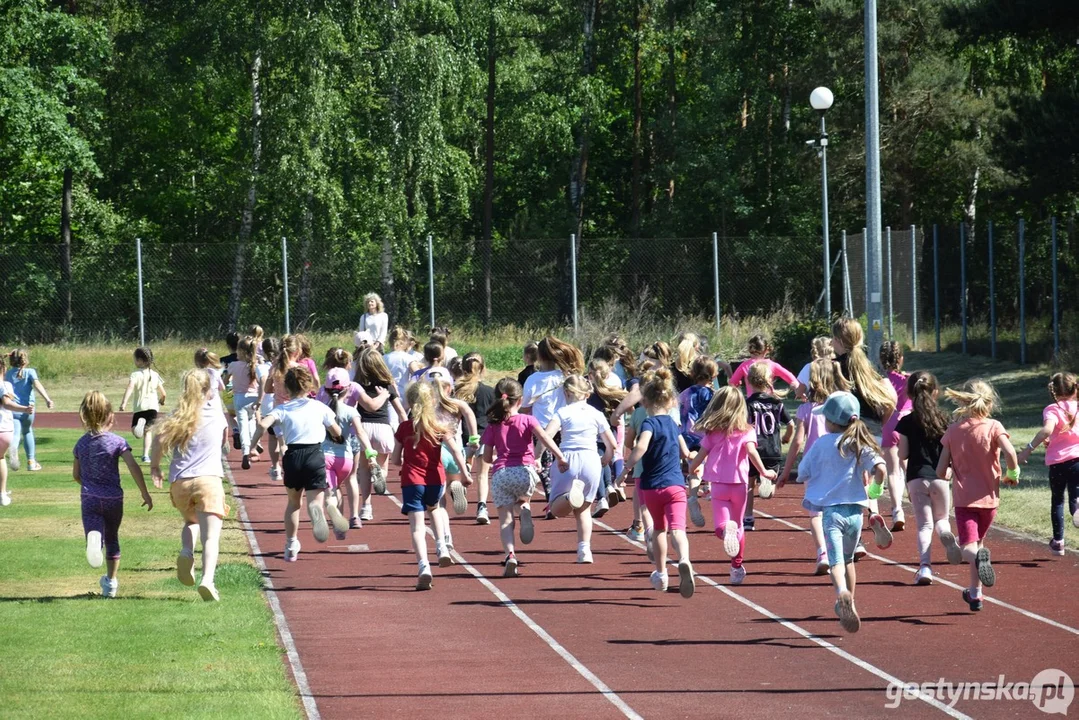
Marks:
<point>340,456</point>
<point>193,435</point>
<point>376,401</point>
<point>303,425</point>
<point>271,348</point>
<point>833,472</point>
<point>1061,454</point>
<point>768,416</point>
<point>971,447</point>
<point>729,446</point>
<point>97,471</point>
<point>542,393</point>
<point>660,448</point>
<point>891,359</point>
<point>511,435</point>
<point>692,404</point>
<point>453,415</point>
<point>480,397</point>
<point>24,383</point>
<point>148,389</point>
<point>920,432</point>
<point>418,452</point>
<point>245,395</point>
<point>8,405</point>
<point>759,350</point>
<point>577,479</point>
<point>232,341</point>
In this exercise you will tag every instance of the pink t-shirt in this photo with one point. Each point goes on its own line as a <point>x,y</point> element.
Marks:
<point>1064,442</point>
<point>975,449</point>
<point>778,371</point>
<point>728,456</point>
<point>814,423</point>
<point>899,382</point>
<point>241,379</point>
<point>512,441</point>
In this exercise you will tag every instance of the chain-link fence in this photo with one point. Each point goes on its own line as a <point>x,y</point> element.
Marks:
<point>903,277</point>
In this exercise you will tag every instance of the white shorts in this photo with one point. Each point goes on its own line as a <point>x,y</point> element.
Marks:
<point>512,483</point>
<point>381,437</point>
<point>584,465</point>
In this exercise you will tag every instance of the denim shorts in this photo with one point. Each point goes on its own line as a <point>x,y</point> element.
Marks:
<point>842,530</point>
<point>420,498</point>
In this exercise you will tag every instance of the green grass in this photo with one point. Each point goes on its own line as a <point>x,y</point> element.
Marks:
<point>156,650</point>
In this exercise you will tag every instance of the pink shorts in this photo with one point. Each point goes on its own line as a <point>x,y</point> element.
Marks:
<point>5,441</point>
<point>338,469</point>
<point>972,523</point>
<point>888,436</point>
<point>667,506</point>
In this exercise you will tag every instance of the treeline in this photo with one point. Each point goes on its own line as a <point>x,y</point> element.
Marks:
<point>357,128</point>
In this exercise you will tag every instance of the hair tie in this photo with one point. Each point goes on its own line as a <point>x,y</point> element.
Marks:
<point>505,396</point>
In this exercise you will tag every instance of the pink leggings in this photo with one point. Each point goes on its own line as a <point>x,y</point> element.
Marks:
<point>667,506</point>
<point>729,504</point>
<point>338,469</point>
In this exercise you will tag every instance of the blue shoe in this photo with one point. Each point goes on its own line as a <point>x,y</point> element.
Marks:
<point>749,524</point>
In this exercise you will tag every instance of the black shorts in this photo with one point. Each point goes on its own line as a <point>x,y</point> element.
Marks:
<point>769,464</point>
<point>304,467</point>
<point>150,416</point>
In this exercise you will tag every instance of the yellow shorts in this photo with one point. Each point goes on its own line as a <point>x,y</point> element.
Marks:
<point>199,494</point>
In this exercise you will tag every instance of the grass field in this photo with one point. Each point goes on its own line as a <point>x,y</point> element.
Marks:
<point>156,650</point>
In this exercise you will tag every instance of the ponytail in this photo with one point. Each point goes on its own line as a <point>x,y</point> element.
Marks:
<point>179,428</point>
<point>864,380</point>
<point>1063,386</point>
<point>507,394</point>
<point>856,438</point>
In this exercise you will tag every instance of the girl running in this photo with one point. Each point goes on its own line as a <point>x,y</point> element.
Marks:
<point>271,348</point>
<point>453,414</point>
<point>687,350</point>
<point>341,456</point>
<point>920,432</point>
<point>480,397</point>
<point>377,397</point>
<point>575,481</point>
<point>245,395</point>
<point>97,471</point>
<point>8,403</point>
<point>418,452</point>
<point>821,348</point>
<point>833,471</point>
<point>824,379</point>
<point>149,392</point>
<point>768,416</point>
<point>208,361</point>
<point>759,350</point>
<point>607,393</point>
<point>511,435</point>
<point>542,392</point>
<point>971,447</point>
<point>274,386</point>
<point>306,359</point>
<point>1061,454</point>
<point>891,359</point>
<point>441,335</point>
<point>727,449</point>
<point>303,424</point>
<point>692,404</point>
<point>528,356</point>
<point>232,341</point>
<point>434,357</point>
<point>398,360</point>
<point>24,383</point>
<point>193,435</point>
<point>660,448</point>
<point>257,334</point>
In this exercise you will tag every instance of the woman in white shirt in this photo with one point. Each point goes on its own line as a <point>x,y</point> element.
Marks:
<point>374,320</point>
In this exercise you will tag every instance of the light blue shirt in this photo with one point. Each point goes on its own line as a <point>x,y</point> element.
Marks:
<point>24,386</point>
<point>832,479</point>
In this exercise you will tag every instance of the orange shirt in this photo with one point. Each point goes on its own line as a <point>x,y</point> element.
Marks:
<point>974,446</point>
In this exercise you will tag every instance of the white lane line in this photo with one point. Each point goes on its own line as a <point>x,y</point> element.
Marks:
<point>532,625</point>
<point>283,631</point>
<point>858,662</point>
<point>942,581</point>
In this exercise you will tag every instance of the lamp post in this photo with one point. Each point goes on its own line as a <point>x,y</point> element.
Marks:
<point>821,99</point>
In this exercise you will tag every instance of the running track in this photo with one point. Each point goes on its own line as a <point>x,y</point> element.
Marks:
<point>595,640</point>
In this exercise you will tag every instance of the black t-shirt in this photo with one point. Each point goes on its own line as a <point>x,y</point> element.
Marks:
<point>865,411</point>
<point>922,454</point>
<point>768,416</point>
<point>682,381</point>
<point>382,415</point>
<point>485,398</point>
<point>525,374</point>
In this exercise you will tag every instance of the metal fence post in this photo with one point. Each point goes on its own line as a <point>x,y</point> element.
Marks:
<point>284,275</point>
<point>891,316</point>
<point>992,296</point>
<point>865,268</point>
<point>1056,297</point>
<point>963,280</point>
<point>573,275</point>
<point>936,284</point>
<point>914,286</point>
<point>848,302</point>
<point>715,276</point>
<point>1022,294</point>
<point>431,275</point>
<point>142,317</point>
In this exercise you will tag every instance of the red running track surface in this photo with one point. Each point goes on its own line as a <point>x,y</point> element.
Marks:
<point>371,646</point>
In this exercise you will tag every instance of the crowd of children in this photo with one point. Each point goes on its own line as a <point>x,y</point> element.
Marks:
<point>662,422</point>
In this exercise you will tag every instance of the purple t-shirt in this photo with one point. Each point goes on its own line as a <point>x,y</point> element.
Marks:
<point>814,423</point>
<point>99,464</point>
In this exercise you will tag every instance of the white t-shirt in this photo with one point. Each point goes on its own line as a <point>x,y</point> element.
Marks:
<point>7,420</point>
<point>581,424</point>
<point>144,396</point>
<point>448,354</point>
<point>262,371</point>
<point>376,324</point>
<point>202,458</point>
<point>803,376</point>
<point>543,393</point>
<point>303,421</point>
<point>345,415</point>
<point>398,362</point>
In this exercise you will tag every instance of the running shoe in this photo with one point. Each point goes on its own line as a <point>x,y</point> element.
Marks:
<point>208,592</point>
<point>749,524</point>
<point>613,498</point>
<point>108,587</point>
<point>695,514</point>
<point>425,579</point>
<point>528,530</point>
<point>93,549</point>
<point>738,575</point>
<point>482,516</point>
<point>140,428</point>
<point>5,499</point>
<point>339,521</point>
<point>899,520</point>
<point>881,534</point>
<point>859,552</point>
<point>823,566</point>
<point>766,489</point>
<point>378,480</point>
<point>185,569</point>
<point>924,576</point>
<point>460,500</point>
<point>367,513</point>
<point>576,494</point>
<point>848,615</point>
<point>1057,547</point>
<point>731,546</point>
<point>635,533</point>
<point>319,528</point>
<point>145,459</point>
<point>659,581</point>
<point>444,558</point>
<point>584,555</point>
<point>986,573</point>
<point>602,506</point>
<point>951,548</point>
<point>686,583</point>
<point>292,549</point>
<point>246,462</point>
<point>275,474</point>
<point>355,524</point>
<point>975,603</point>
<point>511,566</point>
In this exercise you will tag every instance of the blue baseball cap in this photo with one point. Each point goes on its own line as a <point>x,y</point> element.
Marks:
<point>840,408</point>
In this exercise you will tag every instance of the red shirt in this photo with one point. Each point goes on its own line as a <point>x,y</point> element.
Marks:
<point>421,464</point>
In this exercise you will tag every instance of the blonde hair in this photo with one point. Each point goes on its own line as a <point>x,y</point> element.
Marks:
<point>95,411</point>
<point>248,347</point>
<point>299,381</point>
<point>442,393</point>
<point>290,347</point>
<point>658,392</point>
<point>19,358</point>
<point>760,376</point>
<point>204,359</point>
<point>863,378</point>
<point>379,307</point>
<point>305,346</point>
<point>421,411</point>
<point>660,352</point>
<point>256,332</point>
<point>976,400</point>
<point>576,388</point>
<point>856,438</point>
<point>371,369</point>
<point>400,338</point>
<point>687,350</point>
<point>822,348</point>
<point>825,378</point>
<point>600,370</point>
<point>727,413</point>
<point>562,355</point>
<point>472,368</point>
<point>179,427</point>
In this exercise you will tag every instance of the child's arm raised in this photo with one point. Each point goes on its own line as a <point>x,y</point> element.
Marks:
<point>136,472</point>
<point>372,403</point>
<point>632,398</point>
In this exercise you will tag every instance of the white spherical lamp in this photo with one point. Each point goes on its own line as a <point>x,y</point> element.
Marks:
<point>821,99</point>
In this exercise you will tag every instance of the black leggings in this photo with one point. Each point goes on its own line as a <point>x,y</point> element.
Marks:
<point>1063,476</point>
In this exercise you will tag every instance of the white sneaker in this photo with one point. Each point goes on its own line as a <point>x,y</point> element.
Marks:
<point>695,514</point>
<point>140,428</point>
<point>5,499</point>
<point>275,474</point>
<point>367,513</point>
<point>650,548</point>
<point>659,581</point>
<point>528,528</point>
<point>108,587</point>
<point>13,460</point>
<point>339,521</point>
<point>576,496</point>
<point>292,549</point>
<point>766,489</point>
<point>584,555</point>
<point>601,506</point>
<point>482,516</point>
<point>951,548</point>
<point>738,574</point>
<point>686,583</point>
<point>425,579</point>
<point>444,559</point>
<point>319,528</point>
<point>731,546</point>
<point>460,500</point>
<point>208,592</point>
<point>924,576</point>
<point>93,549</point>
<point>146,458</point>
